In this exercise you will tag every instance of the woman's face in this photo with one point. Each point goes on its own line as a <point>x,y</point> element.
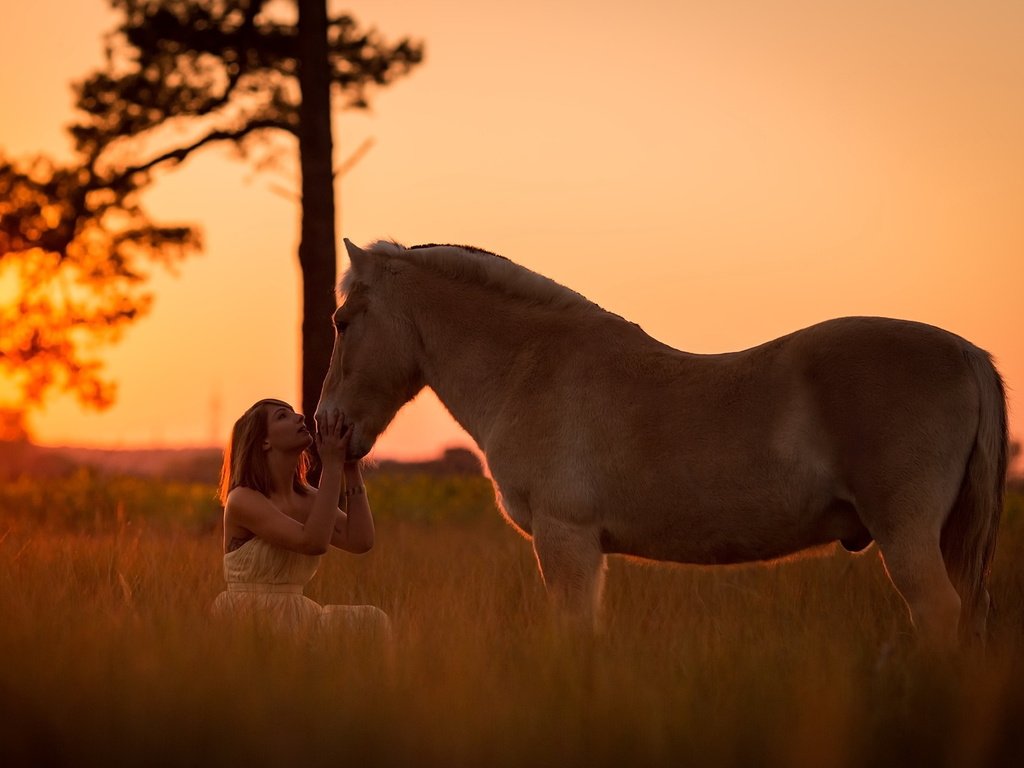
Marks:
<point>286,429</point>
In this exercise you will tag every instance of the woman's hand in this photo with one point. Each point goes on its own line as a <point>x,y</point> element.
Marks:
<point>332,439</point>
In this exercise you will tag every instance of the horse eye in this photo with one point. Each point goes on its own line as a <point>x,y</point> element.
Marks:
<point>340,325</point>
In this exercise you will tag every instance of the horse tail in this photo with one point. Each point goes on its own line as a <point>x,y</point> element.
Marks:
<point>968,538</point>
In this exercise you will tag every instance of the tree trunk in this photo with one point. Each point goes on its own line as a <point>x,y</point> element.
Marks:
<point>317,247</point>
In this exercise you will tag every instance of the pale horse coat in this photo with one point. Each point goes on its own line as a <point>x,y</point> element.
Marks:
<point>602,440</point>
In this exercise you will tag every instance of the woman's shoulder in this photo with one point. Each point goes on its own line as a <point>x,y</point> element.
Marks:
<point>242,500</point>
<point>243,494</point>
<point>244,504</point>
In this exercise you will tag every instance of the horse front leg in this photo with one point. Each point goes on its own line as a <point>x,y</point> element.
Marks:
<point>573,568</point>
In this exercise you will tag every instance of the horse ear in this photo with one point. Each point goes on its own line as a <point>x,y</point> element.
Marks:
<point>360,259</point>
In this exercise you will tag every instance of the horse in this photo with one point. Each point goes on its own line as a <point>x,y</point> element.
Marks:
<point>601,440</point>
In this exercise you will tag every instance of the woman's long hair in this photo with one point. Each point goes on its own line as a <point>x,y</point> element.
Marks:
<point>245,461</point>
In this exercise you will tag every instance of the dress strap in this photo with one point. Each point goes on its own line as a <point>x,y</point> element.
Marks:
<point>253,586</point>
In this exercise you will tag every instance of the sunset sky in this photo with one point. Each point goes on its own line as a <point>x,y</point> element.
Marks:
<point>721,173</point>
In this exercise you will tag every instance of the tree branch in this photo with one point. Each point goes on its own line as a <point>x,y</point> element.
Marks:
<point>179,154</point>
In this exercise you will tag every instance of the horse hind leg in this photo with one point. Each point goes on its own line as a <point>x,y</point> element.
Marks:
<point>916,568</point>
<point>573,568</point>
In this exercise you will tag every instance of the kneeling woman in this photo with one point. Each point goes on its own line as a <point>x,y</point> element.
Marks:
<point>276,525</point>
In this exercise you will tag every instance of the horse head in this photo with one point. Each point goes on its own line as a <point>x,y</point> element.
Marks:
<point>375,365</point>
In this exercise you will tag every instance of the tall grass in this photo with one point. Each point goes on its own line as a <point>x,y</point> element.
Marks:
<point>107,656</point>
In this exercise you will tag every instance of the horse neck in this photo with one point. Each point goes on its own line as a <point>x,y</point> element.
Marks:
<point>472,339</point>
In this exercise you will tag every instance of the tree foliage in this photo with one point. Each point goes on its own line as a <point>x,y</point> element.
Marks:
<point>181,75</point>
<point>178,75</point>
<point>73,248</point>
<point>230,68</point>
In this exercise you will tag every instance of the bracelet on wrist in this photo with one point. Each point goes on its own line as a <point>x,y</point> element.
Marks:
<point>359,490</point>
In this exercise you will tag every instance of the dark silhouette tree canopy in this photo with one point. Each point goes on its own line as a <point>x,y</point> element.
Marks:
<point>178,75</point>
<point>227,63</point>
<point>220,71</point>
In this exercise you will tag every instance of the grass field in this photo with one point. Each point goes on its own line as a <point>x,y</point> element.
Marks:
<point>108,657</point>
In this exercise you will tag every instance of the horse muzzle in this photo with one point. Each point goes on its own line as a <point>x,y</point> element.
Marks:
<point>358,445</point>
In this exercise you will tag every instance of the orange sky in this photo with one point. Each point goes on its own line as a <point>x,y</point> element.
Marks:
<point>721,173</point>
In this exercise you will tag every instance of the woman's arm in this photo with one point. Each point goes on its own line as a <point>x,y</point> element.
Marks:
<point>353,527</point>
<point>256,513</point>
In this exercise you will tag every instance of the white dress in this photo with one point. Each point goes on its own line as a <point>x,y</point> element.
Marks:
<point>265,583</point>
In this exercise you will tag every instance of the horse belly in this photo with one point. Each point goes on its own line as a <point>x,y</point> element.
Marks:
<point>744,536</point>
<point>770,511</point>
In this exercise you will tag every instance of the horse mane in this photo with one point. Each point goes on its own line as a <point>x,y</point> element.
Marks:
<point>480,267</point>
